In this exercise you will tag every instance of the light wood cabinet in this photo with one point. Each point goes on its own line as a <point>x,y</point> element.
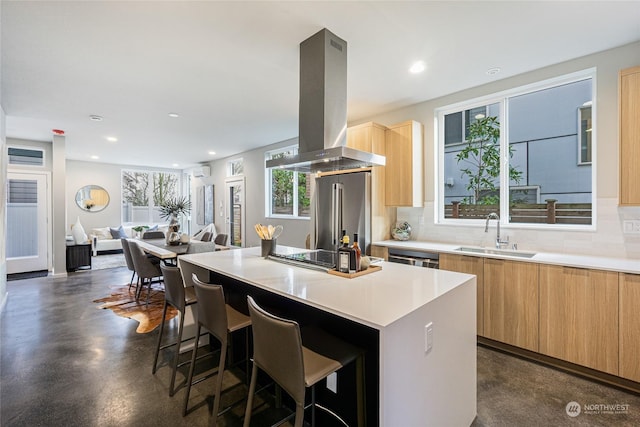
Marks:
<point>629,110</point>
<point>469,265</point>
<point>370,137</point>
<point>511,302</point>
<point>629,303</point>
<point>579,316</point>
<point>404,180</point>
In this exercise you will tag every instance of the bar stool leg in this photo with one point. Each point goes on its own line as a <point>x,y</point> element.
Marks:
<point>172,391</point>
<point>155,359</point>
<point>252,390</point>
<point>191,369</point>
<point>216,398</point>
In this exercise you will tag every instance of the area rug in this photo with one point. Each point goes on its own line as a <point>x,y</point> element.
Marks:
<point>102,262</point>
<point>122,302</point>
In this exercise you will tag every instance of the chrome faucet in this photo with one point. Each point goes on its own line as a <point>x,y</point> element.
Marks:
<point>499,242</point>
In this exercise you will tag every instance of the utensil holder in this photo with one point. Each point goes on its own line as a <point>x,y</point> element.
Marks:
<point>268,247</point>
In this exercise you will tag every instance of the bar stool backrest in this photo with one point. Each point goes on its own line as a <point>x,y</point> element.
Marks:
<point>277,349</point>
<point>173,287</point>
<point>211,309</point>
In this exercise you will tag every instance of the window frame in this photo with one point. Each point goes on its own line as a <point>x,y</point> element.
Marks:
<point>230,166</point>
<point>503,97</point>
<point>293,149</point>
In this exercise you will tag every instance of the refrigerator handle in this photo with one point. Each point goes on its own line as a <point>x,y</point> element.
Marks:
<point>336,213</point>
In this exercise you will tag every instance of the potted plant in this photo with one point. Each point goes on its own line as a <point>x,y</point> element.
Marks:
<point>171,209</point>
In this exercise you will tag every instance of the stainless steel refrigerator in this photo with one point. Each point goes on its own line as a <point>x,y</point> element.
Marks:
<point>342,202</point>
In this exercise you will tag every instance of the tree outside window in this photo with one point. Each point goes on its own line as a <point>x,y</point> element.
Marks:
<point>141,187</point>
<point>289,192</point>
<point>525,167</point>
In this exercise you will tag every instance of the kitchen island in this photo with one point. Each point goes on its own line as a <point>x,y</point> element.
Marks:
<point>387,314</point>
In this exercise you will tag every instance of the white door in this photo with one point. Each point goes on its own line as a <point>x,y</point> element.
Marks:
<point>234,210</point>
<point>27,221</point>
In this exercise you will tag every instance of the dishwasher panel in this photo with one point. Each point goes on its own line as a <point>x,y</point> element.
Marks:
<point>415,258</point>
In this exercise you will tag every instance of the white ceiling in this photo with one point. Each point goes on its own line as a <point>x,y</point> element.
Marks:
<point>230,69</point>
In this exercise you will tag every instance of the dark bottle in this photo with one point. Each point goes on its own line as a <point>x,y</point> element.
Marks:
<point>357,253</point>
<point>344,256</point>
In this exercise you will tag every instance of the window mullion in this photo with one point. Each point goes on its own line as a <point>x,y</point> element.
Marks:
<point>295,194</point>
<point>504,161</point>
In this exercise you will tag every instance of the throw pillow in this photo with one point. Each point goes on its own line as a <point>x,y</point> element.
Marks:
<point>79,235</point>
<point>118,233</point>
<point>154,228</point>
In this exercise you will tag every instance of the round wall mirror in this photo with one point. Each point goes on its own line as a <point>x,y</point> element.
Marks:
<point>92,198</point>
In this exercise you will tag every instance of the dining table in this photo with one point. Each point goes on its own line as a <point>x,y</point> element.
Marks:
<point>160,249</point>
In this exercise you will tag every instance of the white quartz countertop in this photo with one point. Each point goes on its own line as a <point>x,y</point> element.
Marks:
<point>580,261</point>
<point>377,299</point>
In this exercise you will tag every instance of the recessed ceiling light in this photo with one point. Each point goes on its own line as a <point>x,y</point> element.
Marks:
<point>174,115</point>
<point>94,157</point>
<point>418,67</point>
<point>493,71</point>
<point>175,165</point>
<point>95,118</point>
<point>112,139</point>
<point>212,153</point>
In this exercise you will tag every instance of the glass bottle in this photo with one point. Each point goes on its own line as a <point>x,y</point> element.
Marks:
<point>357,253</point>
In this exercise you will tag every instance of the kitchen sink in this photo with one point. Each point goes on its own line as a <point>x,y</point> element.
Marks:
<point>503,252</point>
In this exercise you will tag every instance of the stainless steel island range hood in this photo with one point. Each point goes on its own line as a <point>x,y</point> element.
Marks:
<point>322,121</point>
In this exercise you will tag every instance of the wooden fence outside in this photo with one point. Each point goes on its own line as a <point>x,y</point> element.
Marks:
<point>550,212</point>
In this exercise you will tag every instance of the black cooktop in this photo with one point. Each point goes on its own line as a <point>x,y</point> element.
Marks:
<point>319,258</point>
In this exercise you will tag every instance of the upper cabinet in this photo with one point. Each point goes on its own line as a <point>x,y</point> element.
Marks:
<point>370,137</point>
<point>403,171</point>
<point>629,98</point>
<point>367,137</point>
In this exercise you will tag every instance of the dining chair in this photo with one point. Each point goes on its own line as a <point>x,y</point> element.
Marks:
<point>206,236</point>
<point>145,268</point>
<point>220,320</point>
<point>221,239</point>
<point>153,235</point>
<point>127,257</point>
<point>282,352</point>
<point>178,297</point>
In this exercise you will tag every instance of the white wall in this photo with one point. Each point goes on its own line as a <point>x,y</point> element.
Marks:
<point>608,239</point>
<point>295,230</point>
<point>3,212</point>
<point>106,176</point>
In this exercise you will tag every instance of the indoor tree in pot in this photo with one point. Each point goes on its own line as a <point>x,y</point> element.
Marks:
<point>171,209</point>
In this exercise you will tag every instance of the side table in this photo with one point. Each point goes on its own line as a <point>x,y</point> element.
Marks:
<point>78,256</point>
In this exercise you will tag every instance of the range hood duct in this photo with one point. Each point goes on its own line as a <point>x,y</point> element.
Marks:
<point>322,121</point>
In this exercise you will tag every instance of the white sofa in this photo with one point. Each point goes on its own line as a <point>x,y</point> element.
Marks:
<point>102,240</point>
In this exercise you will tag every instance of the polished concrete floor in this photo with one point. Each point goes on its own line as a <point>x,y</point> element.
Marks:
<point>66,363</point>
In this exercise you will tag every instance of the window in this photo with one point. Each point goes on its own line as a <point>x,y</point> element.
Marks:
<point>235,167</point>
<point>26,156</point>
<point>288,192</point>
<point>514,154</point>
<point>143,192</point>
